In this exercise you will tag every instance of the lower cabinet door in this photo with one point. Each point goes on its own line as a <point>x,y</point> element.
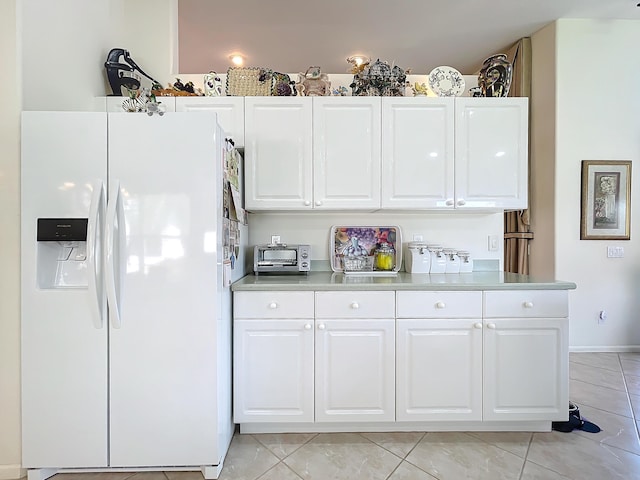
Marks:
<point>355,379</point>
<point>439,369</point>
<point>273,371</point>
<point>526,369</point>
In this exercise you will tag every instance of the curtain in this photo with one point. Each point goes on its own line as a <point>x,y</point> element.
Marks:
<point>517,232</point>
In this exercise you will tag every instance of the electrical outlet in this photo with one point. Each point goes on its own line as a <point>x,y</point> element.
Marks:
<point>602,316</point>
<point>417,237</point>
<point>615,252</point>
<point>493,243</point>
<point>275,239</point>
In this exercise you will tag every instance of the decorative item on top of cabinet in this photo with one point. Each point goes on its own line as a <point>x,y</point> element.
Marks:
<point>121,74</point>
<point>249,81</point>
<point>446,81</point>
<point>212,84</point>
<point>379,79</point>
<point>495,76</point>
<point>313,83</point>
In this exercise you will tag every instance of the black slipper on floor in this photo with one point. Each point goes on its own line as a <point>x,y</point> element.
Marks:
<point>575,422</point>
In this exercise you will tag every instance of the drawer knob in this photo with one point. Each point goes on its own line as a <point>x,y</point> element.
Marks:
<point>461,202</point>
<point>355,305</point>
<point>273,305</point>
<point>528,304</point>
<point>307,203</point>
<point>321,326</point>
<point>477,325</point>
<point>318,203</point>
<point>492,326</point>
<point>440,305</point>
<point>449,202</point>
<point>307,326</point>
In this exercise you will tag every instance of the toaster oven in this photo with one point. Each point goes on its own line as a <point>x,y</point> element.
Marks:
<point>281,258</point>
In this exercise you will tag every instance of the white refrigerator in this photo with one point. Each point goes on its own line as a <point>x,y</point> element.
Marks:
<point>126,323</point>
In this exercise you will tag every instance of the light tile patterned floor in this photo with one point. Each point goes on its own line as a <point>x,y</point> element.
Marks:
<point>606,386</point>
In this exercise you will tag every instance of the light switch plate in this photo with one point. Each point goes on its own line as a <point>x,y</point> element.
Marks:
<point>493,243</point>
<point>615,252</point>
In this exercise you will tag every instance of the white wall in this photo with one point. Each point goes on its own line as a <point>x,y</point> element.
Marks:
<point>9,253</point>
<point>597,101</point>
<point>462,231</point>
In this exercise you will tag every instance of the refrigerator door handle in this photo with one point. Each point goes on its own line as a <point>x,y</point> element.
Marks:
<point>94,252</point>
<point>115,254</point>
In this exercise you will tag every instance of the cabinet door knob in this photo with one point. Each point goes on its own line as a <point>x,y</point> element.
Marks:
<point>492,326</point>
<point>307,203</point>
<point>321,326</point>
<point>449,202</point>
<point>318,203</point>
<point>355,305</point>
<point>440,305</point>
<point>307,326</point>
<point>477,325</point>
<point>273,305</point>
<point>528,304</point>
<point>461,202</point>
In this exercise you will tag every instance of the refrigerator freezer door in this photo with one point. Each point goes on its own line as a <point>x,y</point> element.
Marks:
<point>64,355</point>
<point>163,368</point>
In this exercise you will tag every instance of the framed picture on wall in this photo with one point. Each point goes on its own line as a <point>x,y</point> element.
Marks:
<point>605,212</point>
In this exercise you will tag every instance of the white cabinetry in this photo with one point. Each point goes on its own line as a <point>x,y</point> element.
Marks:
<point>355,356</point>
<point>417,152</point>
<point>461,153</point>
<point>230,112</point>
<point>491,151</point>
<point>346,152</point>
<point>526,355</point>
<point>306,153</point>
<point>439,356</point>
<point>510,365</point>
<point>273,357</point>
<point>278,153</point>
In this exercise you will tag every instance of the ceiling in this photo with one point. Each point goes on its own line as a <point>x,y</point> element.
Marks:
<point>289,36</point>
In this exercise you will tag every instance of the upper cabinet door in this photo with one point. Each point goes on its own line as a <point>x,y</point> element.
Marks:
<point>491,153</point>
<point>278,153</point>
<point>417,152</point>
<point>230,112</point>
<point>346,149</point>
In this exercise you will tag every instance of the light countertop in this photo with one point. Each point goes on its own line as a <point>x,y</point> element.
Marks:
<point>315,281</point>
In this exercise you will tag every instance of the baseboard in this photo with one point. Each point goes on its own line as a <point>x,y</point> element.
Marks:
<point>12,472</point>
<point>605,349</point>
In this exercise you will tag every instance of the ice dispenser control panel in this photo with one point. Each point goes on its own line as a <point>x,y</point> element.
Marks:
<point>62,253</point>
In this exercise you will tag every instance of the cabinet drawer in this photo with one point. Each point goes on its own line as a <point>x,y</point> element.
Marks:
<point>526,303</point>
<point>439,304</point>
<point>273,305</point>
<point>355,304</point>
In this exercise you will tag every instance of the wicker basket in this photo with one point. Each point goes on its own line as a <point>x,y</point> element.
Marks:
<point>249,82</point>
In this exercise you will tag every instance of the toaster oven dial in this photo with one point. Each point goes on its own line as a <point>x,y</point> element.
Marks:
<point>304,255</point>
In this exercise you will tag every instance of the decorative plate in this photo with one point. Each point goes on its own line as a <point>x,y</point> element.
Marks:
<point>446,82</point>
<point>368,238</point>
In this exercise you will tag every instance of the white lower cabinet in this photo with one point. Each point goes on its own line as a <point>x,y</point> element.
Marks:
<point>400,358</point>
<point>273,357</point>
<point>274,377</point>
<point>439,356</point>
<point>526,359</point>
<point>354,370</point>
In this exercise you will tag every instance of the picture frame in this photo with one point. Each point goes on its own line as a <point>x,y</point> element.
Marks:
<point>605,208</point>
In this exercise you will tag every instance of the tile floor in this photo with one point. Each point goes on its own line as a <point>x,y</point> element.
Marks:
<point>606,387</point>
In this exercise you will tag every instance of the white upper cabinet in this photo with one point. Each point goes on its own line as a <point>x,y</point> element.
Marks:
<point>417,152</point>
<point>367,153</point>
<point>491,150</point>
<point>278,153</point>
<point>346,152</point>
<point>230,112</point>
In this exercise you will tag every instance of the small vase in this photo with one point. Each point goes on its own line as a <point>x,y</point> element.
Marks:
<point>495,76</point>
